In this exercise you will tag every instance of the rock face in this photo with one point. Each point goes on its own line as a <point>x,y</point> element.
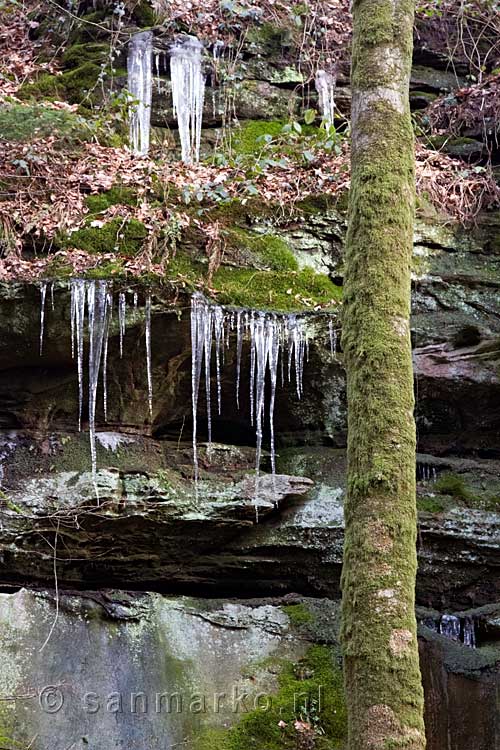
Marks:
<point>112,669</point>
<point>152,531</point>
<point>87,668</point>
<point>461,693</point>
<point>123,670</point>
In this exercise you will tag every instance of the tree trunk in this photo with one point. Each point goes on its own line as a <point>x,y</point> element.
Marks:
<point>383,685</point>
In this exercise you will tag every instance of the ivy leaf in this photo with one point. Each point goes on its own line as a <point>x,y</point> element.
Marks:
<point>309,116</point>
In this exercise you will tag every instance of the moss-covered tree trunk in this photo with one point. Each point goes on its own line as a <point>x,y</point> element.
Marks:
<point>384,692</point>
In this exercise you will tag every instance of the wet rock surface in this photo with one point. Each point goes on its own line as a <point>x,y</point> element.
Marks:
<point>151,528</point>
<point>113,668</point>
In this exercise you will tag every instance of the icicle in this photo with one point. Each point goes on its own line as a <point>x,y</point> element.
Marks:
<point>449,626</point>
<point>252,368</point>
<point>206,312</point>
<point>97,299</point>
<point>43,294</point>
<point>333,338</point>
<point>109,310</point>
<point>469,633</point>
<point>72,317</point>
<point>268,334</point>
<point>188,92</point>
<point>140,89</point>
<point>219,346</point>
<point>239,348</point>
<point>78,317</point>
<point>197,348</point>
<point>122,323</point>
<point>148,356</point>
<point>325,86</point>
<point>157,71</point>
<point>136,300</point>
<point>52,303</point>
<point>274,347</point>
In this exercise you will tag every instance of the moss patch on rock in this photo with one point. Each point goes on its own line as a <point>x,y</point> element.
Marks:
<point>143,14</point>
<point>298,614</point>
<point>118,195</point>
<point>77,54</point>
<point>275,290</point>
<point>269,249</point>
<point>310,691</point>
<point>19,122</point>
<point>74,86</point>
<point>248,138</point>
<point>428,504</point>
<point>454,485</point>
<point>118,235</point>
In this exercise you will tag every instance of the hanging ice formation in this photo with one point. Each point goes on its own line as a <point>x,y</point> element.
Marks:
<point>148,356</point>
<point>325,86</point>
<point>43,294</point>
<point>273,338</point>
<point>140,88</point>
<point>469,633</point>
<point>334,338</point>
<point>188,93</point>
<point>451,627</point>
<point>93,301</point>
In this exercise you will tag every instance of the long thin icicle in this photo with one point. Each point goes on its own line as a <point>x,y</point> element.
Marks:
<point>148,356</point>
<point>78,295</point>
<point>140,88</point>
<point>97,302</point>
<point>109,313</point>
<point>122,319</point>
<point>269,335</point>
<point>43,294</point>
<point>325,86</point>
<point>188,93</point>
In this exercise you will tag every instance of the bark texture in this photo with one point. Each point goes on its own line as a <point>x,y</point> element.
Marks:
<point>384,692</point>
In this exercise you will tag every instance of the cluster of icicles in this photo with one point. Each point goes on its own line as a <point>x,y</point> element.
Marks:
<point>92,303</point>
<point>279,346</point>
<point>188,91</point>
<point>325,84</point>
<point>462,631</point>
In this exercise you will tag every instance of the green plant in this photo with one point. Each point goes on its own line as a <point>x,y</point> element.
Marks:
<point>452,484</point>
<point>25,122</point>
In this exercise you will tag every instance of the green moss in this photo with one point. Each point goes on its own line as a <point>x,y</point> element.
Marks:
<point>234,212</point>
<point>275,290</point>
<point>269,249</point>
<point>77,54</point>
<point>73,86</point>
<point>92,26</point>
<point>298,614</point>
<point>268,39</point>
<point>310,690</point>
<point>428,504</point>
<point>143,14</point>
<point>107,270</point>
<point>125,237</point>
<point>453,484</point>
<point>19,122</point>
<point>117,195</point>
<point>246,138</point>
<point>183,265</point>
